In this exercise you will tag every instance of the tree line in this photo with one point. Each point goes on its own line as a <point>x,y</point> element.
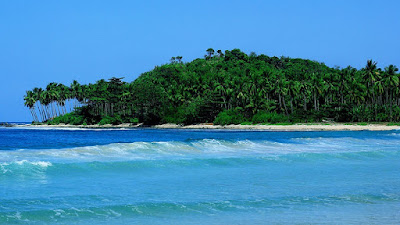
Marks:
<point>228,87</point>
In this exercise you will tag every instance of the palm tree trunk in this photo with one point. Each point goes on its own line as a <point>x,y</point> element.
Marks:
<point>291,104</point>
<point>284,105</point>
<point>315,101</point>
<point>36,117</point>
<point>391,106</point>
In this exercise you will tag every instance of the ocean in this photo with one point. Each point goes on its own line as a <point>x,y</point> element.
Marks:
<point>151,176</point>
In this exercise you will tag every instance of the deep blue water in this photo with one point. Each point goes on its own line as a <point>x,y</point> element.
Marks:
<point>149,176</point>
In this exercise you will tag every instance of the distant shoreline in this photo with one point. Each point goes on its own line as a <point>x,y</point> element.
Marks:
<point>294,127</point>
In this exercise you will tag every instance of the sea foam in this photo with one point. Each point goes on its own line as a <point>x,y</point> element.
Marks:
<point>204,148</point>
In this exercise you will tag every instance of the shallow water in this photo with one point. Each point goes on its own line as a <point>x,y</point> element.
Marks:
<point>149,176</point>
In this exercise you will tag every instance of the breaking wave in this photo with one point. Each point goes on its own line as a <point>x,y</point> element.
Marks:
<point>192,153</point>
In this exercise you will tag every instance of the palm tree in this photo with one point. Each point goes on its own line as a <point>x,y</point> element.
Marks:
<point>210,52</point>
<point>316,84</point>
<point>63,96</point>
<point>75,90</point>
<point>371,74</point>
<point>36,95</point>
<point>304,89</point>
<point>30,103</point>
<point>370,71</point>
<point>220,54</point>
<point>391,81</point>
<point>293,91</point>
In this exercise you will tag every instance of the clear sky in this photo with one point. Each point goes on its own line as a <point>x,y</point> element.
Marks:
<point>59,41</point>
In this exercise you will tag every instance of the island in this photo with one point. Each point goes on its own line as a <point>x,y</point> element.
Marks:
<point>227,88</point>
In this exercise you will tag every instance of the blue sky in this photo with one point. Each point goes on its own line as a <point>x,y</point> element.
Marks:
<point>59,41</point>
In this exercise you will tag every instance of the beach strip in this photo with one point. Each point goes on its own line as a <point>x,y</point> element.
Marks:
<point>293,127</point>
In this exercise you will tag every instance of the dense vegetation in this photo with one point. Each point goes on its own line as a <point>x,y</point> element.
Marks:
<point>225,88</point>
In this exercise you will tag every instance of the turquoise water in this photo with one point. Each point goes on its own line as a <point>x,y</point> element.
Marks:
<point>149,176</point>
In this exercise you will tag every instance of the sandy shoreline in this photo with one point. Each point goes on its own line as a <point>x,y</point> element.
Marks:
<point>294,127</point>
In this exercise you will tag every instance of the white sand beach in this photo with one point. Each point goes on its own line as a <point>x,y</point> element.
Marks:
<point>294,127</point>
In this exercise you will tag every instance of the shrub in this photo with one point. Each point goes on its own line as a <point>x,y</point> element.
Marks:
<point>176,116</point>
<point>284,123</point>
<point>382,117</point>
<point>134,120</point>
<point>246,123</point>
<point>78,120</point>
<point>68,118</point>
<point>269,117</point>
<point>105,120</point>
<point>231,116</point>
<point>115,120</point>
<point>195,111</point>
<point>393,124</point>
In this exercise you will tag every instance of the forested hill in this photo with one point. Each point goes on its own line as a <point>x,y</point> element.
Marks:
<point>227,87</point>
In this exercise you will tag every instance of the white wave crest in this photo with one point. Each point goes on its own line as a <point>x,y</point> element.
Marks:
<point>25,162</point>
<point>205,148</point>
<point>38,163</point>
<point>21,166</point>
